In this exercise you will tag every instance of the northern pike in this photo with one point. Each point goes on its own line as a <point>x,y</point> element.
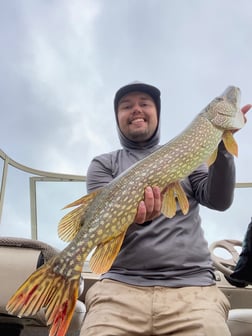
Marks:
<point>102,217</point>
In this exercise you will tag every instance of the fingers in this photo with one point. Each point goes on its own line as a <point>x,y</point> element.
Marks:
<point>149,201</point>
<point>141,213</point>
<point>150,207</point>
<point>156,206</point>
<point>246,108</point>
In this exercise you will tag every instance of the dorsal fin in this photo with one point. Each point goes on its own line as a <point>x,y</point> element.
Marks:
<point>72,222</point>
<point>84,200</point>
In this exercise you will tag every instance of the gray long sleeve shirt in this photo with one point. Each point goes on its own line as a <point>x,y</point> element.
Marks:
<point>168,252</point>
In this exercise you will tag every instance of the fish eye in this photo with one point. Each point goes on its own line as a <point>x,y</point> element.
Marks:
<point>219,99</point>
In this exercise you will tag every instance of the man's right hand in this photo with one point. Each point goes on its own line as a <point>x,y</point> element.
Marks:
<point>150,207</point>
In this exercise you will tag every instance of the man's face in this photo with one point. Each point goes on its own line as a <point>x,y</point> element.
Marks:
<point>137,116</point>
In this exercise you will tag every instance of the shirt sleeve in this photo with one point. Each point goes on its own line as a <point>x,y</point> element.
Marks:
<point>214,187</point>
<point>99,172</point>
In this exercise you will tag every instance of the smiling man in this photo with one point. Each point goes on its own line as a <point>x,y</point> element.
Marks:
<point>162,281</point>
<point>137,116</point>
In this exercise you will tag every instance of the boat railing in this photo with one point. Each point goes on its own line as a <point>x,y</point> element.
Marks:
<point>233,222</point>
<point>34,176</point>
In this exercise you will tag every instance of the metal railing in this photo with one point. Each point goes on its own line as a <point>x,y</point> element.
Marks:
<point>37,175</point>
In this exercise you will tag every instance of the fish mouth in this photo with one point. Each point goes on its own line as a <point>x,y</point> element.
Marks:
<point>233,94</point>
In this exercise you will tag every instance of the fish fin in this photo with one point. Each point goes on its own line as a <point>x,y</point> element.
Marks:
<point>182,198</point>
<point>105,254</point>
<point>230,143</point>
<point>169,206</point>
<point>46,289</point>
<point>84,200</point>
<point>212,157</point>
<point>71,223</point>
<point>173,192</point>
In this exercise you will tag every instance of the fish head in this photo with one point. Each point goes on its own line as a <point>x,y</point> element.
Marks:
<point>224,111</point>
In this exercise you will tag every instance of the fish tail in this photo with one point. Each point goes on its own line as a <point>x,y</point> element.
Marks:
<point>47,289</point>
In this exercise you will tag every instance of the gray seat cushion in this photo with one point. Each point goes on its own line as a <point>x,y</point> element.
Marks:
<point>240,322</point>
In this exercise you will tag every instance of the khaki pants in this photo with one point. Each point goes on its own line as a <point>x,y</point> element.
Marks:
<point>118,309</point>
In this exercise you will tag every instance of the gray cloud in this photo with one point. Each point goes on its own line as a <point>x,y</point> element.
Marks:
<point>62,61</point>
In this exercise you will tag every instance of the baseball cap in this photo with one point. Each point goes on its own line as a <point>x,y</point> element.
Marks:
<point>137,86</point>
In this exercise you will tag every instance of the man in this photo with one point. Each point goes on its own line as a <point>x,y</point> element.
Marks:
<point>162,282</point>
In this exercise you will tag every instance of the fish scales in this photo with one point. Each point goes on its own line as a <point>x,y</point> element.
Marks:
<point>102,218</point>
<point>170,163</point>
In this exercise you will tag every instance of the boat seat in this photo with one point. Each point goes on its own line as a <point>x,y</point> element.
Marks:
<point>240,322</point>
<point>19,257</point>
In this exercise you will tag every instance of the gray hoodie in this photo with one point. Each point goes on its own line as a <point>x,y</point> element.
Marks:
<point>167,252</point>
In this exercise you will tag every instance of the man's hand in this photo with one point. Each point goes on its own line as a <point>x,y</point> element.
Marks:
<point>150,208</point>
<point>245,109</point>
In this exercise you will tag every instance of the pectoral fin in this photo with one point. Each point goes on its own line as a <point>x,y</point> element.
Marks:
<point>105,254</point>
<point>71,223</point>
<point>173,193</point>
<point>230,143</point>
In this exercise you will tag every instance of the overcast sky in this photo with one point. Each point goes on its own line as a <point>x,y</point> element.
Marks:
<point>62,61</point>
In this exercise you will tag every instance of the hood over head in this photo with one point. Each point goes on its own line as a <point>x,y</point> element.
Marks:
<point>155,95</point>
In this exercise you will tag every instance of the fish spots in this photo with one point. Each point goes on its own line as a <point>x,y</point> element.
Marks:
<point>71,263</point>
<point>100,232</point>
<point>104,236</point>
<point>129,218</point>
<point>69,272</point>
<point>120,213</point>
<point>114,228</point>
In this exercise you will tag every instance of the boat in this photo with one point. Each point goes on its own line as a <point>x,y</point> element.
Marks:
<point>30,208</point>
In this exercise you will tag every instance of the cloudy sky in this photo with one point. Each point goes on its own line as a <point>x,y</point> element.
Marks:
<point>62,61</point>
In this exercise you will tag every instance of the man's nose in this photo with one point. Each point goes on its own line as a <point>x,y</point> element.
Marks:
<point>137,108</point>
